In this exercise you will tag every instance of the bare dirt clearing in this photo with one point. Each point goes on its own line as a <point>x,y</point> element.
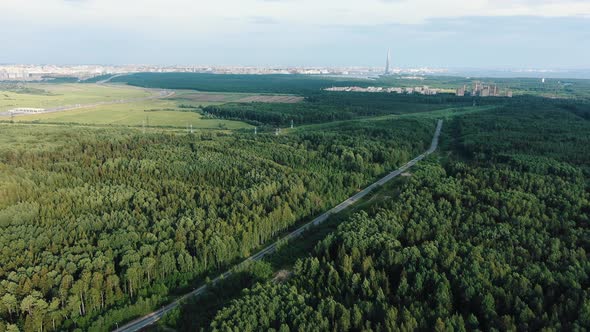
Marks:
<point>238,98</point>
<point>282,275</point>
<point>272,99</point>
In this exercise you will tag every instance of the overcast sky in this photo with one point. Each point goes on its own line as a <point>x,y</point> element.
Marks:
<point>449,33</point>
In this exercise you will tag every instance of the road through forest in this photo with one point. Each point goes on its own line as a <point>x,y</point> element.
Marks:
<point>153,317</point>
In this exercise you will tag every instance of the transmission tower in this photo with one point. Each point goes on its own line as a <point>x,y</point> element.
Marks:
<point>291,124</point>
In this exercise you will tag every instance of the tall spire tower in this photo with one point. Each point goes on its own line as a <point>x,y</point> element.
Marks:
<point>388,62</point>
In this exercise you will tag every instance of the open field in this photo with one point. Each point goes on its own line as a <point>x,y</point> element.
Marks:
<point>221,97</point>
<point>132,111</point>
<point>54,95</point>
<point>210,97</point>
<point>161,113</point>
<point>272,99</point>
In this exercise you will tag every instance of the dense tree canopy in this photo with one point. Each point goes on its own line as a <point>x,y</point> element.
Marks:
<point>101,225</point>
<point>237,83</point>
<point>498,241</point>
<point>98,225</point>
<point>333,106</point>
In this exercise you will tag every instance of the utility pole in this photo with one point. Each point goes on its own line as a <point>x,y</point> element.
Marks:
<point>255,130</point>
<point>192,128</point>
<point>291,124</point>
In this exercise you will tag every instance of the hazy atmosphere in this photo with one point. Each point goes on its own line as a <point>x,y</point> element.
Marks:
<point>479,33</point>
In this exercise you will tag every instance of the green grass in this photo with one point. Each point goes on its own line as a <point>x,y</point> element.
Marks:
<point>155,113</point>
<point>67,94</point>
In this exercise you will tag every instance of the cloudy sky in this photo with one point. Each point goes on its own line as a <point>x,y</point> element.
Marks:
<point>449,33</point>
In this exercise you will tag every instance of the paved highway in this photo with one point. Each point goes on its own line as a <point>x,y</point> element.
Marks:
<point>153,317</point>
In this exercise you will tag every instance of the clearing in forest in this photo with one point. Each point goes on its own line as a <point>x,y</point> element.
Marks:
<point>220,97</point>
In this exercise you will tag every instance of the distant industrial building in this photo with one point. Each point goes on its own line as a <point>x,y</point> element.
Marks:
<point>482,90</point>
<point>423,90</point>
<point>461,91</point>
<point>26,110</point>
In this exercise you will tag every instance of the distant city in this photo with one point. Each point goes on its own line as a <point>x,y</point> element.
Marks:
<point>479,89</point>
<point>47,72</point>
<point>31,73</point>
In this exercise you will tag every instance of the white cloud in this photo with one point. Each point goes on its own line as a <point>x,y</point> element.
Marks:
<point>291,31</point>
<point>164,14</point>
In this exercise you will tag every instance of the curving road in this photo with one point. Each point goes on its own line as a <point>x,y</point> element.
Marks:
<point>153,317</point>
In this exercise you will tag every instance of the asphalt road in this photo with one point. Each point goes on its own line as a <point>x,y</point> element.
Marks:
<point>153,317</point>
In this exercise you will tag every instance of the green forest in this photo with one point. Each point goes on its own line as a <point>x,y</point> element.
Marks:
<point>101,225</point>
<point>330,106</point>
<point>238,83</point>
<point>491,235</point>
<point>310,84</point>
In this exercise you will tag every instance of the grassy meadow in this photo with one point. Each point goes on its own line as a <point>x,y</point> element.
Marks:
<point>46,95</point>
<point>153,112</point>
